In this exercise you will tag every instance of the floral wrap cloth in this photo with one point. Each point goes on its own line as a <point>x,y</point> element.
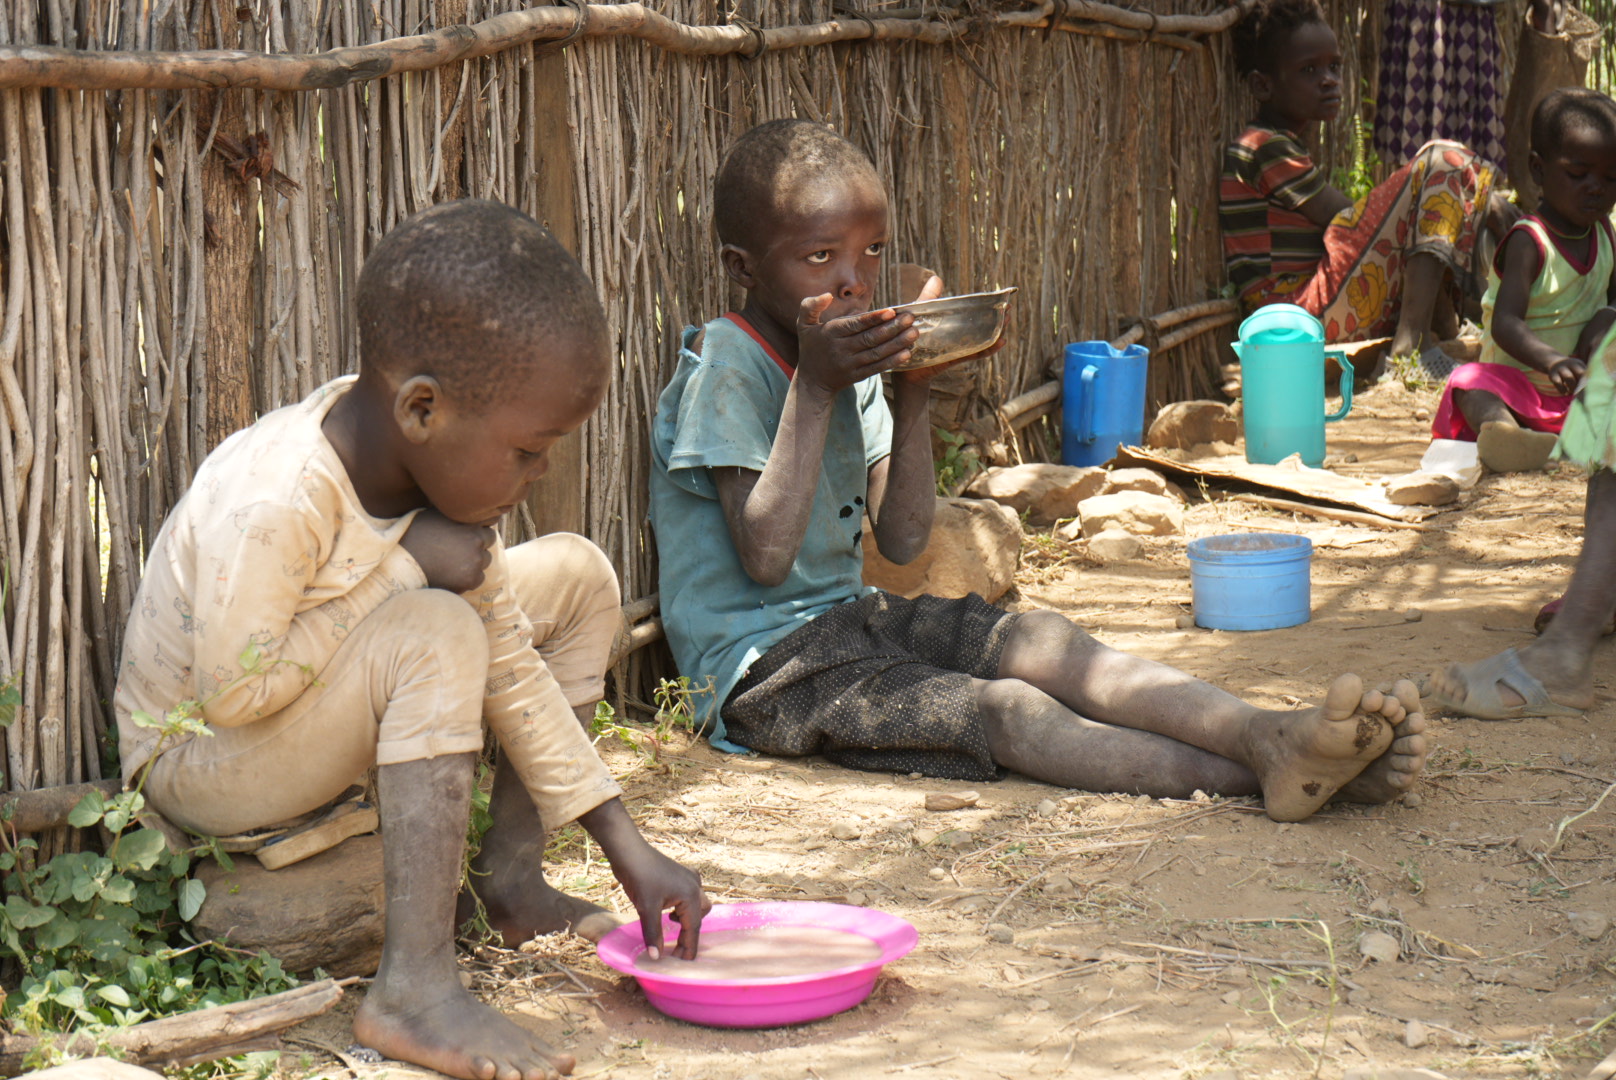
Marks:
<point>1436,204</point>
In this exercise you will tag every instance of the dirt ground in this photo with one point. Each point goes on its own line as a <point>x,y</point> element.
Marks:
<point>1158,938</point>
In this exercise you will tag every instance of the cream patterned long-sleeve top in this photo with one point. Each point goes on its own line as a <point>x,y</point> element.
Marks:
<point>271,547</point>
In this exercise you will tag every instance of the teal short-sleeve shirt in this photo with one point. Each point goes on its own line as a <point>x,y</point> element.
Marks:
<point>721,410</point>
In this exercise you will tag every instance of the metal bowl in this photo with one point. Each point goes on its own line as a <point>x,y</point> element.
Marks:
<point>952,327</point>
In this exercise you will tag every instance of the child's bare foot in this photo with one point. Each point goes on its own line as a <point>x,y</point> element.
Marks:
<point>1395,771</point>
<point>1302,758</point>
<point>521,905</point>
<point>443,1027</point>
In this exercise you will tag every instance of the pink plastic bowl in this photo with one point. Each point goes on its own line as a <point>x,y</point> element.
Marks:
<point>749,1003</point>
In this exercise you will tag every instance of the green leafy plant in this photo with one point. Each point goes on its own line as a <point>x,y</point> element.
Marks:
<point>98,939</point>
<point>956,464</point>
<point>1358,179</point>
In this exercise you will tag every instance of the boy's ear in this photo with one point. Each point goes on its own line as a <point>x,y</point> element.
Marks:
<point>418,407</point>
<point>1534,165</point>
<point>738,265</point>
<point>1260,85</point>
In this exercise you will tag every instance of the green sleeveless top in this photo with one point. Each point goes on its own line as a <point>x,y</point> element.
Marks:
<point>1565,295</point>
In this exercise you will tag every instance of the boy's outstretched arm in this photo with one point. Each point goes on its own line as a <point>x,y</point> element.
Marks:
<point>653,881</point>
<point>1521,265</point>
<point>768,512</point>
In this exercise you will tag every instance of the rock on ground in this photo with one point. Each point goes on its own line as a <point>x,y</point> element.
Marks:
<point>1115,545</point>
<point>975,547</point>
<point>1045,493</point>
<point>326,911</point>
<point>1422,489</point>
<point>1184,424</point>
<point>1133,512</point>
<point>1148,481</point>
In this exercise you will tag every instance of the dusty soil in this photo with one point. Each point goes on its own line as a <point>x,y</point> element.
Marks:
<point>1172,939</point>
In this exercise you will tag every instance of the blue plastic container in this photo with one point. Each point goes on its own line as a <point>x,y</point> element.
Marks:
<point>1251,581</point>
<point>1103,401</point>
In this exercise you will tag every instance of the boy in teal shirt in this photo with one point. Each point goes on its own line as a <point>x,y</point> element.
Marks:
<point>771,444</point>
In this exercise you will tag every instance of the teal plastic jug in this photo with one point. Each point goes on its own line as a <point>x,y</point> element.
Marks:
<point>1281,350</point>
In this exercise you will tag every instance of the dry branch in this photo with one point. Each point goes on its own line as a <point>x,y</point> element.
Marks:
<point>47,808</point>
<point>204,1035</point>
<point>217,69</point>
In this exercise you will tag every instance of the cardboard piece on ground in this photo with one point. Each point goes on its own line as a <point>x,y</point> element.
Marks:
<point>1289,478</point>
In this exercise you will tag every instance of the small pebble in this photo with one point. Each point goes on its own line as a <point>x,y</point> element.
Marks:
<point>1412,798</point>
<point>1000,933</point>
<point>1038,1005</point>
<point>1567,758</point>
<point>1589,924</point>
<point>937,873</point>
<point>1379,945</point>
<point>1184,622</point>
<point>856,898</point>
<point>846,830</point>
<point>950,800</point>
<point>1415,1035</point>
<point>690,800</point>
<point>815,844</point>
<point>957,838</point>
<point>1422,414</point>
<point>1058,885</point>
<point>1047,808</point>
<point>922,837</point>
<point>916,776</point>
<point>1231,998</point>
<point>1380,906</point>
<point>1413,614</point>
<point>465,979</point>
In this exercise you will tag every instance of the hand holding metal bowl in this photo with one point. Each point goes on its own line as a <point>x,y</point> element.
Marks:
<point>954,327</point>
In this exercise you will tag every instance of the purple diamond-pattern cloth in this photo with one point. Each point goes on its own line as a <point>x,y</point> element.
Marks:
<point>1438,80</point>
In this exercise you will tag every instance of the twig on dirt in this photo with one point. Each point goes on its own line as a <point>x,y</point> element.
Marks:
<point>572,976</point>
<point>923,1064</point>
<point>1508,629</point>
<point>1079,969</point>
<point>1233,958</point>
<point>1017,891</point>
<point>1569,772</point>
<point>1565,823</point>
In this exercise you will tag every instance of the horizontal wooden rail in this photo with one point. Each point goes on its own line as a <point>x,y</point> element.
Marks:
<point>1192,320</point>
<point>90,69</point>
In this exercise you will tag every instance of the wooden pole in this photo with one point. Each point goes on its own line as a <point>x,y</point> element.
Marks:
<point>90,69</point>
<point>185,1039</point>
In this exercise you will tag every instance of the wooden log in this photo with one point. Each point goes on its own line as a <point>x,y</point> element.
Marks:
<point>91,69</point>
<point>47,808</point>
<point>204,1035</point>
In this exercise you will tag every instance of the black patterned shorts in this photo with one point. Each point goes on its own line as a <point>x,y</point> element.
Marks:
<point>881,683</point>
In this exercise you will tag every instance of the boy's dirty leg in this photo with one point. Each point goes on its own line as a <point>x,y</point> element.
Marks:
<point>507,874</point>
<point>416,1009</point>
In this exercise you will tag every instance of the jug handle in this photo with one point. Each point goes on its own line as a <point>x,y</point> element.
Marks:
<point>1346,384</point>
<point>1085,416</point>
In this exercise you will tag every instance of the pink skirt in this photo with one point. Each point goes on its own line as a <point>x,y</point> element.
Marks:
<point>1537,410</point>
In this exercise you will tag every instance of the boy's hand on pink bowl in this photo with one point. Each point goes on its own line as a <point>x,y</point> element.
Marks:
<point>843,352</point>
<point>655,883</point>
<point>451,555</point>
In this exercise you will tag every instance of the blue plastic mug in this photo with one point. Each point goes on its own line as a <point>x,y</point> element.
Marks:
<point>1103,401</point>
